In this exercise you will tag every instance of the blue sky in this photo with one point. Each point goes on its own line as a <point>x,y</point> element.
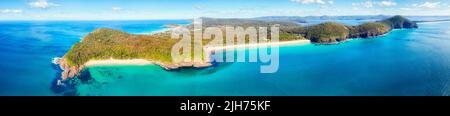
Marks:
<point>187,9</point>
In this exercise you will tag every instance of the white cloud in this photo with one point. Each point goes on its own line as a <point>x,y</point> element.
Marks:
<point>406,9</point>
<point>42,4</point>
<point>330,2</point>
<point>199,7</point>
<point>13,11</point>
<point>117,8</point>
<point>313,1</point>
<point>429,5</point>
<point>426,6</point>
<point>387,3</point>
<point>367,4</point>
<point>370,3</point>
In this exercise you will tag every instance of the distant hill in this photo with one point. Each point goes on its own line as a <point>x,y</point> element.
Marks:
<point>305,19</point>
<point>368,30</point>
<point>400,22</point>
<point>308,19</point>
<point>332,32</point>
<point>328,32</point>
<point>214,22</point>
<point>361,17</point>
<point>296,19</point>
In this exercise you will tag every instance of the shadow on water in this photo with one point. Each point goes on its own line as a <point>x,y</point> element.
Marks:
<point>216,66</point>
<point>68,87</point>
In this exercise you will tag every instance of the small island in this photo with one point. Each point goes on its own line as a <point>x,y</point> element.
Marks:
<point>108,46</point>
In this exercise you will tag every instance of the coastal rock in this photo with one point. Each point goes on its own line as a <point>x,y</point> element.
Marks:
<point>67,71</point>
<point>202,65</point>
<point>185,65</point>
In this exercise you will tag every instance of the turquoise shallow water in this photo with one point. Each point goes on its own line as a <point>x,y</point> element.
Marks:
<point>27,48</point>
<point>404,62</point>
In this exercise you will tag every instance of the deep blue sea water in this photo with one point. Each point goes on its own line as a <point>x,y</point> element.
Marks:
<point>404,62</point>
<point>27,48</point>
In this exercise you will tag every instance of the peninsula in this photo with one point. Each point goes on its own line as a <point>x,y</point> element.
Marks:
<point>112,47</point>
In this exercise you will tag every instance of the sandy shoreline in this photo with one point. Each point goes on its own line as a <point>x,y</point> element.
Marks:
<point>119,62</point>
<point>283,43</point>
<point>111,61</point>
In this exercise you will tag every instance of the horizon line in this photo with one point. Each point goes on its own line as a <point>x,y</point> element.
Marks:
<point>212,17</point>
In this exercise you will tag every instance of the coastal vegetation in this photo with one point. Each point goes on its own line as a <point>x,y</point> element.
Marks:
<point>108,43</point>
<point>105,43</point>
<point>328,32</point>
<point>331,32</point>
<point>400,22</point>
<point>368,30</point>
<point>213,22</point>
<point>299,19</point>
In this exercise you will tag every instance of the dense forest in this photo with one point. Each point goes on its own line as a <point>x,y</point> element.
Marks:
<point>109,43</point>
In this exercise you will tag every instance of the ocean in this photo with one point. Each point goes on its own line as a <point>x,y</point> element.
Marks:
<point>409,62</point>
<point>28,47</point>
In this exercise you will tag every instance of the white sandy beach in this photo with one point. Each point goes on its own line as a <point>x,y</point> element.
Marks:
<point>284,43</point>
<point>112,61</point>
<point>119,62</point>
<point>160,31</point>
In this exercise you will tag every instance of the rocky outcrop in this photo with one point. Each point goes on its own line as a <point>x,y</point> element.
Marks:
<point>184,65</point>
<point>67,70</point>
